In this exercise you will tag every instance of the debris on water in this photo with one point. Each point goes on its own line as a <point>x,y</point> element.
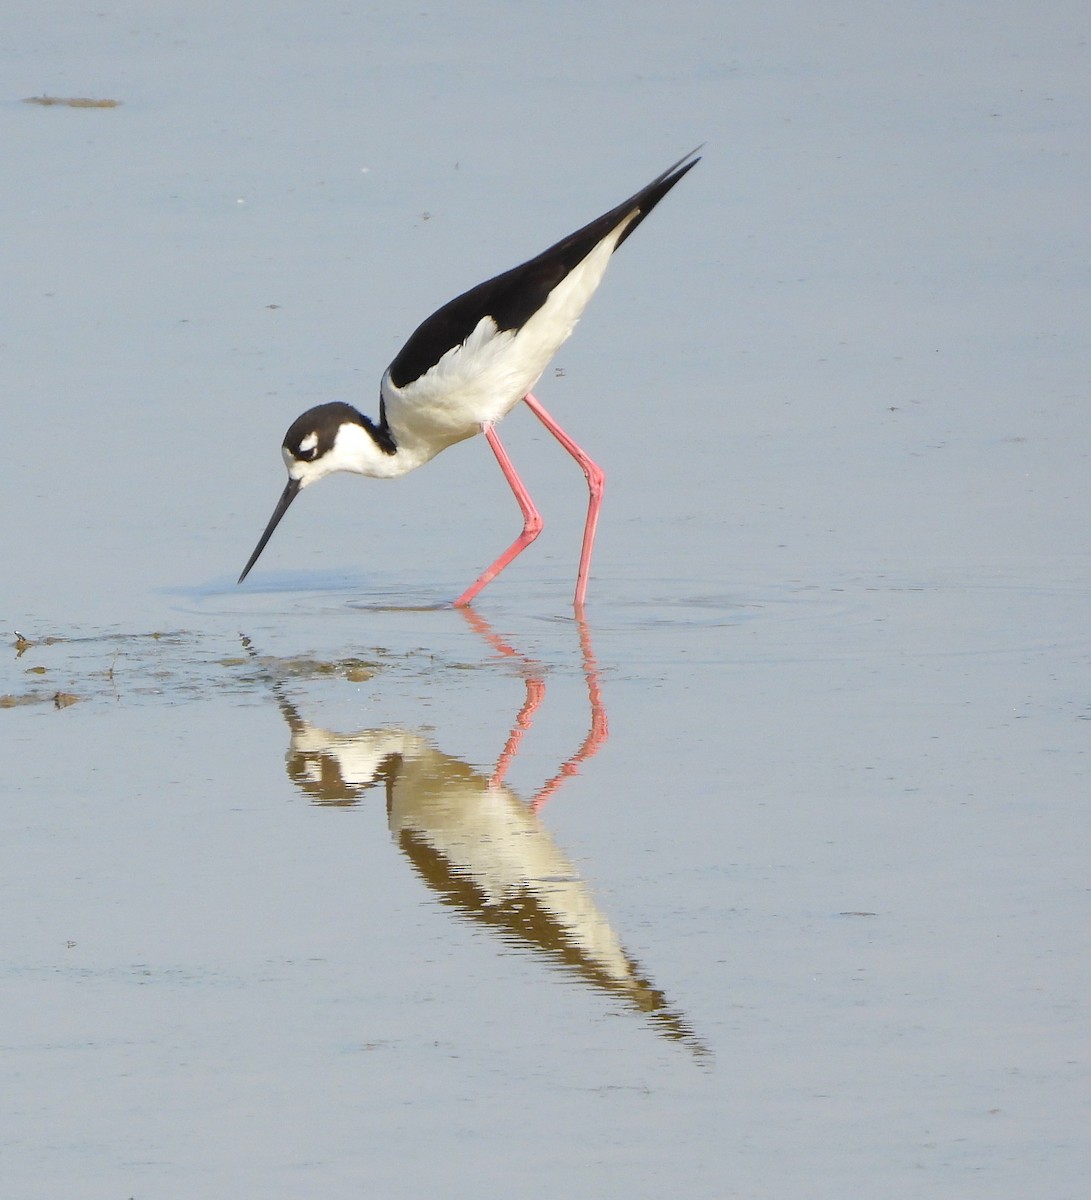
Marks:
<point>355,669</point>
<point>71,101</point>
<point>173,664</point>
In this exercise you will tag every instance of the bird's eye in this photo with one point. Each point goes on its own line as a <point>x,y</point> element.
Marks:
<point>308,447</point>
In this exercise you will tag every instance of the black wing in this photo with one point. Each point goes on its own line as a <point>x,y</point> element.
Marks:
<point>512,298</point>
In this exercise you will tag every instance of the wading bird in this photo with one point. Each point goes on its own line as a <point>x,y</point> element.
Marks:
<point>467,366</point>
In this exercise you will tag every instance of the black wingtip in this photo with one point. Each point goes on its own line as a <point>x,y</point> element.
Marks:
<point>650,195</point>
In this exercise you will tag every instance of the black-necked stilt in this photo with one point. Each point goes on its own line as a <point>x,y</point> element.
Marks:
<point>465,368</point>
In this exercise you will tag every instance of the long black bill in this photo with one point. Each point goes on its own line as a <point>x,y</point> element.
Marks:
<point>287,496</point>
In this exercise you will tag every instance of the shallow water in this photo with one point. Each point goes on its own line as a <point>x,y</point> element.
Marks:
<point>766,879</point>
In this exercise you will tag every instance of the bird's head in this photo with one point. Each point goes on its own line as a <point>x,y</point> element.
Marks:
<point>317,443</point>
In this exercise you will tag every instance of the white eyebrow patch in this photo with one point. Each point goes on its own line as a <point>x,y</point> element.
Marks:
<point>308,443</point>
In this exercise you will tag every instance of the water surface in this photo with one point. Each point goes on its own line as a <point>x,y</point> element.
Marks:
<point>769,878</point>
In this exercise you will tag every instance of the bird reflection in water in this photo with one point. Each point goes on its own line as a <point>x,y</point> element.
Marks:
<point>479,846</point>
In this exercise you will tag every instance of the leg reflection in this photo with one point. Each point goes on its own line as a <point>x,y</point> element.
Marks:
<point>598,729</point>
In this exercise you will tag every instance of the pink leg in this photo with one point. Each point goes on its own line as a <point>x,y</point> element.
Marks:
<point>596,481</point>
<point>532,521</point>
